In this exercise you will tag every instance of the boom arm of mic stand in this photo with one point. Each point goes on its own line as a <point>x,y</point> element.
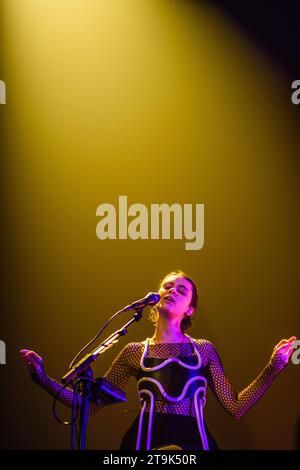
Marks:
<point>85,362</point>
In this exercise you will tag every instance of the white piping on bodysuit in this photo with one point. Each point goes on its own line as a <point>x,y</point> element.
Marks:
<point>199,403</point>
<point>151,413</point>
<point>171,359</point>
<point>199,414</point>
<point>165,394</point>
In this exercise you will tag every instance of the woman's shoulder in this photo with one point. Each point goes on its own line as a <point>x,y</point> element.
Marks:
<point>201,341</point>
<point>207,349</point>
<point>131,353</point>
<point>204,344</point>
<point>134,346</point>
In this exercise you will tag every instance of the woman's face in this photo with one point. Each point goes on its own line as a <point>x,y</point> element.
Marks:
<point>176,294</point>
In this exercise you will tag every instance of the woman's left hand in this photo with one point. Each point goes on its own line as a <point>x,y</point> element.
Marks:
<point>282,353</point>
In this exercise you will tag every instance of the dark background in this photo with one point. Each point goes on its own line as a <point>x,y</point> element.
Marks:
<point>54,277</point>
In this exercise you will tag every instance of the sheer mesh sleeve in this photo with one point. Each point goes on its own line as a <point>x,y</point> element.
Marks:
<point>124,365</point>
<point>236,403</point>
<point>54,388</point>
<point>127,363</point>
<point>118,374</point>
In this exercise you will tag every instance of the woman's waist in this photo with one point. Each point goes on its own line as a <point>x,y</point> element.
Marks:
<point>184,407</point>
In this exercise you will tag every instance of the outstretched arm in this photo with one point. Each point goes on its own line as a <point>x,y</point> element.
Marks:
<point>118,374</point>
<point>239,403</point>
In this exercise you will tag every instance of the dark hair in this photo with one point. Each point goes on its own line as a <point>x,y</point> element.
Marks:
<point>186,322</point>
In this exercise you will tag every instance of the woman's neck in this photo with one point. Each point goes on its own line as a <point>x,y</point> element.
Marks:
<point>166,332</point>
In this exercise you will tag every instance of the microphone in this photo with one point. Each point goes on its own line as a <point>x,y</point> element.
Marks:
<point>150,299</point>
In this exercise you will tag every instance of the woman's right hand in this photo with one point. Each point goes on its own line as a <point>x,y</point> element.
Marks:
<point>34,363</point>
<point>282,352</point>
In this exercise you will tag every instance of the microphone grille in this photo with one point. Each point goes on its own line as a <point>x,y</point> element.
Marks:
<point>153,298</point>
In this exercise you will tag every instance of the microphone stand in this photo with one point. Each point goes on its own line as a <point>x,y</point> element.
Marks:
<point>82,373</point>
